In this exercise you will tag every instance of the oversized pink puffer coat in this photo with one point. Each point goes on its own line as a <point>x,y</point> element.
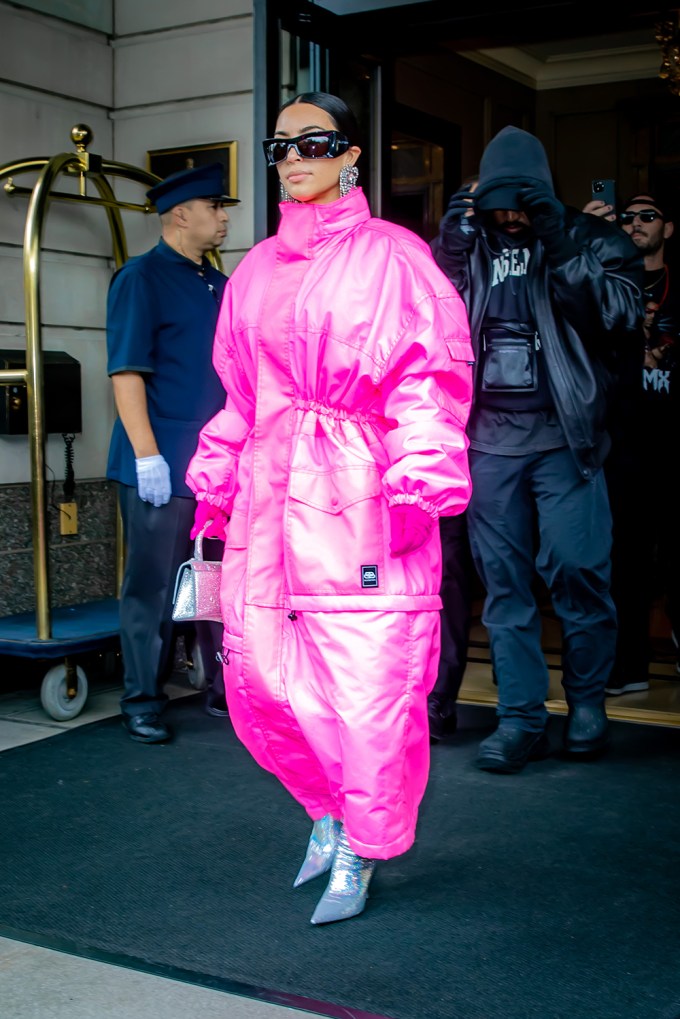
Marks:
<point>345,354</point>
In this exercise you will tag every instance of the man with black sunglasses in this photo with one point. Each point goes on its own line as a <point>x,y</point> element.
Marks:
<point>649,228</point>
<point>642,469</point>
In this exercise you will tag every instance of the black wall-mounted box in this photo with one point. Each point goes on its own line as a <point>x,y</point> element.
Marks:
<point>61,377</point>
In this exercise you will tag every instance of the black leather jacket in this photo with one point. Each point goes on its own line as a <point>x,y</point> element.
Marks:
<point>588,312</point>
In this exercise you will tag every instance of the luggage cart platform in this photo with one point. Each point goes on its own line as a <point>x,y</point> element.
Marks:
<point>76,629</point>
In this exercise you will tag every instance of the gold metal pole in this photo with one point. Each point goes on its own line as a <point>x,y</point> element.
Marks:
<point>120,256</point>
<point>11,376</point>
<point>135,173</point>
<point>34,384</point>
<point>13,189</point>
<point>22,166</point>
<point>113,207</point>
<point>215,259</point>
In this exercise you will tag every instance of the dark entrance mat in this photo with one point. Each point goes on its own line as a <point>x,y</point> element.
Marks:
<point>552,894</point>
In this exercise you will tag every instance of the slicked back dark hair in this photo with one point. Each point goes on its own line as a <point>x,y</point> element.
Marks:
<point>336,108</point>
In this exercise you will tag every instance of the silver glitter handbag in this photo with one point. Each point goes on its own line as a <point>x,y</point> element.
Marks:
<point>197,588</point>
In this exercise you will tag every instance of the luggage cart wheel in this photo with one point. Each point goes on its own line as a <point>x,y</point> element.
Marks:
<point>196,668</point>
<point>64,691</point>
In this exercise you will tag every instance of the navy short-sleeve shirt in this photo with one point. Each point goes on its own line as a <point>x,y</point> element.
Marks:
<point>161,316</point>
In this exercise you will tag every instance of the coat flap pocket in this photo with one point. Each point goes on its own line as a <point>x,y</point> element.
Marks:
<point>237,530</point>
<point>334,491</point>
<point>230,642</point>
<point>460,350</point>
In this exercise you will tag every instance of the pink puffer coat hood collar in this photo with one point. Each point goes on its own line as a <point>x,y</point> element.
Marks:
<point>306,226</point>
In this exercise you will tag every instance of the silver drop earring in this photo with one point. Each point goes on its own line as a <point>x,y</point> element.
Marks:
<point>284,196</point>
<point>349,176</point>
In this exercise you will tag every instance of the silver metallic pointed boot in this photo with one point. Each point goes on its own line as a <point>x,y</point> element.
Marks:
<point>347,889</point>
<point>320,849</point>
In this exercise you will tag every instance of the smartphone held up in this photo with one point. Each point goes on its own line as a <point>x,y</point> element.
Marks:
<point>603,189</point>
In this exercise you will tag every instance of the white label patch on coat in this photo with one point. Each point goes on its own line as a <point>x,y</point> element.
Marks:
<point>369,576</point>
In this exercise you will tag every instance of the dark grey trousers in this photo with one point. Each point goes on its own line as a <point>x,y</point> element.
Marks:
<point>157,543</point>
<point>458,574</point>
<point>530,515</point>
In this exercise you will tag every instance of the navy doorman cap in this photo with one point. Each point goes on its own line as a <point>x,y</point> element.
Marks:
<point>199,182</point>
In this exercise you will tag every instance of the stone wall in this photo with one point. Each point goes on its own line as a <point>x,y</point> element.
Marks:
<point>143,77</point>
<point>82,566</point>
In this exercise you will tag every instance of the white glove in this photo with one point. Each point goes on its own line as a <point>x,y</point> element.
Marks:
<point>153,479</point>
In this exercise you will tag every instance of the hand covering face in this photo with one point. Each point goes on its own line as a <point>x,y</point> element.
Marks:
<point>546,214</point>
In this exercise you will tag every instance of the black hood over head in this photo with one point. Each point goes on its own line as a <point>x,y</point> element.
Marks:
<point>512,160</point>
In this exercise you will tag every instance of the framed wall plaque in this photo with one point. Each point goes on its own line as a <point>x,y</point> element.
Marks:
<point>163,162</point>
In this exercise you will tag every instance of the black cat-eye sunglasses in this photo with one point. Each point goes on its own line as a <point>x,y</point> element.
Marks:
<point>313,145</point>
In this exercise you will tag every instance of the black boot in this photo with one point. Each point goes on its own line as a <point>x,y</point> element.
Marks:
<point>216,701</point>
<point>586,733</point>
<point>509,748</point>
<point>440,724</point>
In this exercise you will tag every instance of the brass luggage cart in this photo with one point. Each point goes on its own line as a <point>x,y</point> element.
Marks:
<point>60,633</point>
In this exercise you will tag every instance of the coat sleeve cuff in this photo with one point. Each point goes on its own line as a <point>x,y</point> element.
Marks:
<point>404,499</point>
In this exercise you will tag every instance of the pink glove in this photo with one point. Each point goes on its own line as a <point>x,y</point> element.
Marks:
<point>411,527</point>
<point>215,518</point>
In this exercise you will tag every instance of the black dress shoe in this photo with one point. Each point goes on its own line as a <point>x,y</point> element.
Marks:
<point>509,748</point>
<point>146,728</point>
<point>216,704</point>
<point>440,725</point>
<point>586,733</point>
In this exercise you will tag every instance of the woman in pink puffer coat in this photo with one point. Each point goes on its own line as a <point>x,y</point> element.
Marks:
<point>345,354</point>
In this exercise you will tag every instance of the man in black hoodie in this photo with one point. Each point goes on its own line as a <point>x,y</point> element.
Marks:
<point>552,294</point>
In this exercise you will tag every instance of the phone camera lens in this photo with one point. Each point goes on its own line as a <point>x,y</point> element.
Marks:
<point>598,186</point>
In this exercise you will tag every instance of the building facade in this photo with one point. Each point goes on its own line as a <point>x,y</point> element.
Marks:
<point>430,88</point>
